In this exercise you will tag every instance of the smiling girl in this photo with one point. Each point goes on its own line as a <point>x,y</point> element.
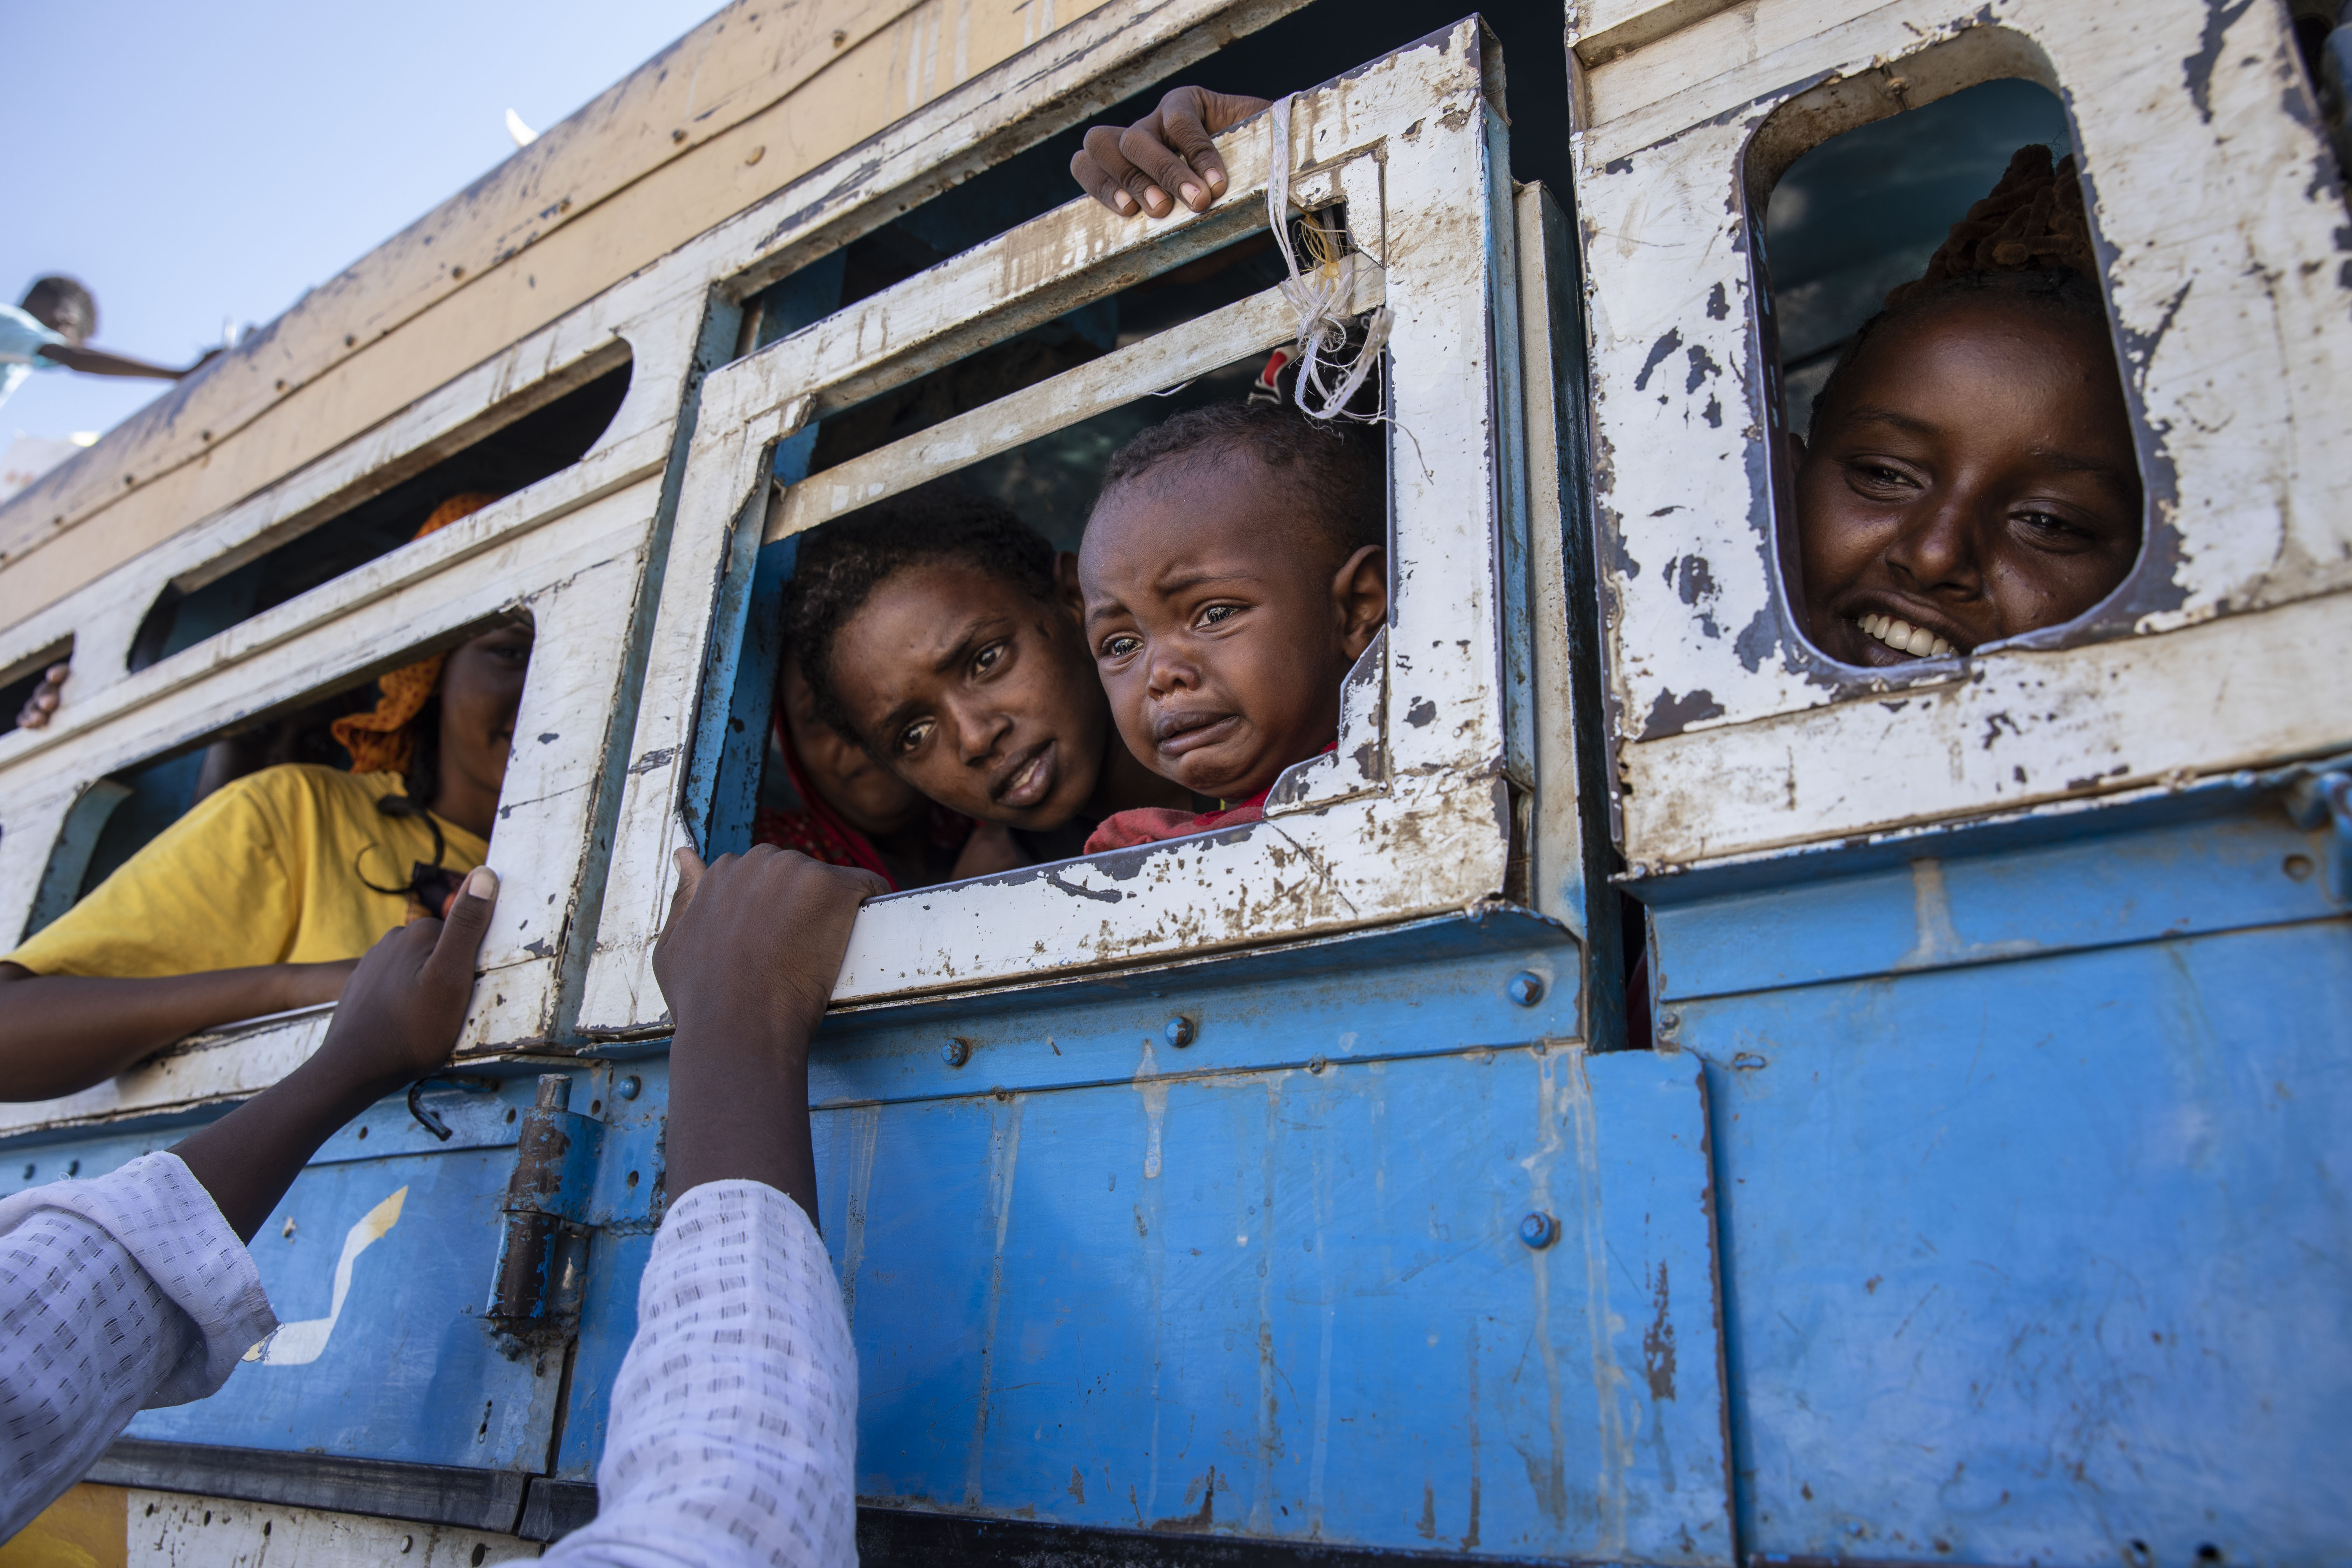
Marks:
<point>1970,474</point>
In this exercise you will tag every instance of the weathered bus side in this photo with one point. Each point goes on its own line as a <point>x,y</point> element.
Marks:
<point>1291,1194</point>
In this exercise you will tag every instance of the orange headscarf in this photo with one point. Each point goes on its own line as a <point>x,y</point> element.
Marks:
<point>379,741</point>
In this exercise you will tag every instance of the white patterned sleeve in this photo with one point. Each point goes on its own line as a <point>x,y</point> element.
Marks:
<point>734,1436</point>
<point>117,1294</point>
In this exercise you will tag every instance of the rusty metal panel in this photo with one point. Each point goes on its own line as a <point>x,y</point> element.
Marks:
<point>2217,204</point>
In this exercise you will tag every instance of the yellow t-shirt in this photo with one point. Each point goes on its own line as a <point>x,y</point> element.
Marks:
<point>267,869</point>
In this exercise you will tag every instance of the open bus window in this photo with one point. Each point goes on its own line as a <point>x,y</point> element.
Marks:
<point>436,730</point>
<point>1961,466</point>
<point>1409,158</point>
<point>980,551</point>
<point>519,449</point>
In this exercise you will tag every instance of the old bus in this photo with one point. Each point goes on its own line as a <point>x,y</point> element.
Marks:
<point>1962,1175</point>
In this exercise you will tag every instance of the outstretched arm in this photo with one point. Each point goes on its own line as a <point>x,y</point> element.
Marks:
<point>133,1289</point>
<point>399,1016</point>
<point>733,1433</point>
<point>98,361</point>
<point>62,1033</point>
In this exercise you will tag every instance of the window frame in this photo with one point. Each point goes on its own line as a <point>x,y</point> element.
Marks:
<point>1413,146</point>
<point>570,550</point>
<point>1731,736</point>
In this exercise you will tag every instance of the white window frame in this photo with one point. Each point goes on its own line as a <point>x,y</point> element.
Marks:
<point>1413,815</point>
<point>2215,211</point>
<point>570,550</point>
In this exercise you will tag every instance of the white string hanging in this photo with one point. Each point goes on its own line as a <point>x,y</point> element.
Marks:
<point>1320,295</point>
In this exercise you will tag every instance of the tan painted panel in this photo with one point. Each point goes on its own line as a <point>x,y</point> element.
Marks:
<point>83,1529</point>
<point>401,321</point>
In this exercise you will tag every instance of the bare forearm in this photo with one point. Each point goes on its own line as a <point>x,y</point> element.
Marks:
<point>738,1110</point>
<point>248,1158</point>
<point>62,1033</point>
<point>97,362</point>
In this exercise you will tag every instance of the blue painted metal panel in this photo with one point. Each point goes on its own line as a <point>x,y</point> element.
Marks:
<point>409,1370</point>
<point>2042,1259</point>
<point>2207,874</point>
<point>1296,1304</point>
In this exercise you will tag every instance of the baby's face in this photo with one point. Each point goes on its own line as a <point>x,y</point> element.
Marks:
<point>870,796</point>
<point>1974,480</point>
<point>975,693</point>
<point>1219,627</point>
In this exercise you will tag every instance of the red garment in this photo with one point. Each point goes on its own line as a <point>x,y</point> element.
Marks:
<point>1158,824</point>
<point>818,831</point>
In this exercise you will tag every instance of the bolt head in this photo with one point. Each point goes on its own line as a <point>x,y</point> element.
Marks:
<point>956,1052</point>
<point>629,1088</point>
<point>1526,989</point>
<point>1538,1231</point>
<point>1179,1032</point>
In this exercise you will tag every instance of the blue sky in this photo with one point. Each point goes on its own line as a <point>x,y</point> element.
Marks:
<point>194,163</point>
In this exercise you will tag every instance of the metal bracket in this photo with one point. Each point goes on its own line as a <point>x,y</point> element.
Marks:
<point>543,1237</point>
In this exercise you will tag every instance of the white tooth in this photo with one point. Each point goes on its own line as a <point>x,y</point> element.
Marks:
<point>1941,649</point>
<point>1872,621</point>
<point>1892,632</point>
<point>1922,640</point>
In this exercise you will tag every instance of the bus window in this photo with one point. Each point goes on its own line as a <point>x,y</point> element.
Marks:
<point>1405,160</point>
<point>1976,477</point>
<point>1758,700</point>
<point>139,803</point>
<point>519,450</point>
<point>26,676</point>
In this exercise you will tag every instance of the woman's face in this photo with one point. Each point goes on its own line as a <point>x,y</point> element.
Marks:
<point>480,690</point>
<point>867,796</point>
<point>979,694</point>
<point>1973,479</point>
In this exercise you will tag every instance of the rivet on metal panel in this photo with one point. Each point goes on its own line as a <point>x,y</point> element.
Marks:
<point>629,1088</point>
<point>1669,1022</point>
<point>956,1052</point>
<point>1526,989</point>
<point>1317,1064</point>
<point>1181,1031</point>
<point>1539,1230</point>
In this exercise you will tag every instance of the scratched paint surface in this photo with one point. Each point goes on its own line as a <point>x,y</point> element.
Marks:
<point>408,1371</point>
<point>1296,1304</point>
<point>402,1368</point>
<point>1733,734</point>
<point>2039,1244</point>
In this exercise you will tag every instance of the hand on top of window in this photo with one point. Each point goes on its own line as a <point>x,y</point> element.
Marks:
<point>1133,168</point>
<point>43,702</point>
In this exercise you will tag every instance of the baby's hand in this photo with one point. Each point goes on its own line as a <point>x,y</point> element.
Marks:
<point>755,941</point>
<point>400,1011</point>
<point>1132,170</point>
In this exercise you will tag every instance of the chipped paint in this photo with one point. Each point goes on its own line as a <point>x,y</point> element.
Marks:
<point>2234,354</point>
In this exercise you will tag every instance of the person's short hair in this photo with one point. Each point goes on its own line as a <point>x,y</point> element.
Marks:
<point>1334,471</point>
<point>2060,293</point>
<point>62,305</point>
<point>841,564</point>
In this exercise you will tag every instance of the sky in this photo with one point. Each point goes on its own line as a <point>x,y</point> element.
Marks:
<point>194,164</point>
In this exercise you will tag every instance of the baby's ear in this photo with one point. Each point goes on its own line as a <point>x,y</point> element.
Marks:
<point>1360,596</point>
<point>1066,582</point>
